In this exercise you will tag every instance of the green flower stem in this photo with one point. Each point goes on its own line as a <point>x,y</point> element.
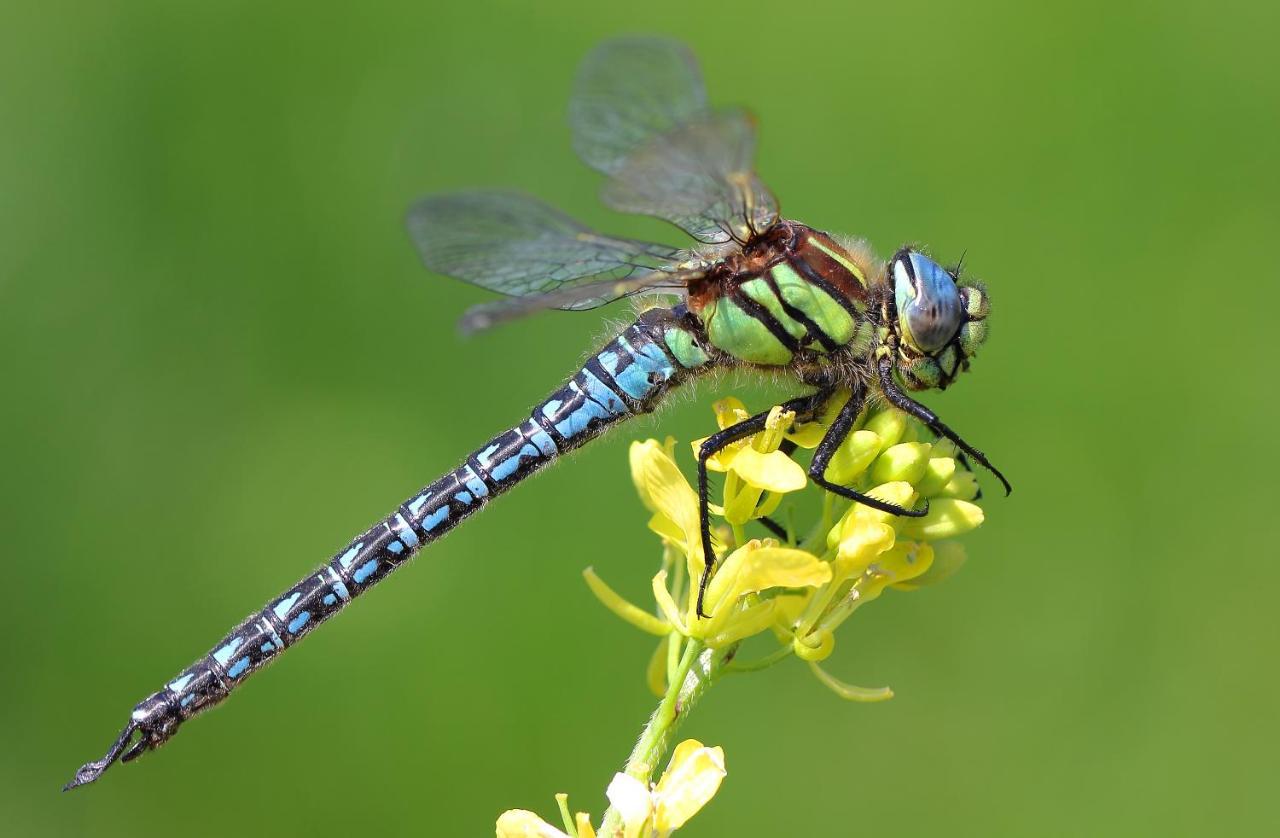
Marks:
<point>696,670</point>
<point>765,662</point>
<point>816,541</point>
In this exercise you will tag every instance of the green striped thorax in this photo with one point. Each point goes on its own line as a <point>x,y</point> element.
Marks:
<point>939,320</point>
<point>791,292</point>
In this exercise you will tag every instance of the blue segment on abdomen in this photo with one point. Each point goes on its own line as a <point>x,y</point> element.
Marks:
<point>601,393</point>
<point>513,455</point>
<point>576,415</point>
<point>650,370</point>
<point>224,653</point>
<point>511,464</point>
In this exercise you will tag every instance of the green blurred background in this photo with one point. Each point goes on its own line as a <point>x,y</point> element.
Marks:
<point>222,359</point>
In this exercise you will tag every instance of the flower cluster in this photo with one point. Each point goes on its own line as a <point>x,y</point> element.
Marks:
<point>795,589</point>
<point>800,588</point>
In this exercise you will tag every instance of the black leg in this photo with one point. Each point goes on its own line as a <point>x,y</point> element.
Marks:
<point>910,406</point>
<point>773,527</point>
<point>803,407</point>
<point>827,449</point>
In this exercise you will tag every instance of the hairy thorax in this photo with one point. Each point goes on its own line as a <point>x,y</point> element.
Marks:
<point>791,296</point>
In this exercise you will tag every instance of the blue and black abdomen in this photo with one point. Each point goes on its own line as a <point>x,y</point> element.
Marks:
<point>627,377</point>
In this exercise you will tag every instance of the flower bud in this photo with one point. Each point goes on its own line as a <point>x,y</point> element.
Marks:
<point>889,425</point>
<point>905,461</point>
<point>937,474</point>
<point>947,518</point>
<point>852,458</point>
<point>964,485</point>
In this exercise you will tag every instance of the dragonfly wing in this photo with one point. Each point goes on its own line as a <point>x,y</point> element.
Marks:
<point>639,114</point>
<point>628,91</point>
<point>516,245</point>
<point>579,297</point>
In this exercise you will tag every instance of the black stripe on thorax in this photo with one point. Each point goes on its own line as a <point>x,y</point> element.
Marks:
<point>810,273</point>
<point>799,316</point>
<point>759,312</point>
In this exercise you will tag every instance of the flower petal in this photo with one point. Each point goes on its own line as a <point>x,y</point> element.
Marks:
<point>667,603</point>
<point>638,454</point>
<point>655,674</point>
<point>633,614</point>
<point>668,530</point>
<point>753,568</point>
<point>729,411</point>
<point>692,778</point>
<point>741,624</point>
<point>741,501</point>
<point>948,556</point>
<point>807,435</point>
<point>905,561</point>
<point>773,472</point>
<point>848,691</point>
<point>630,798</point>
<point>723,459</point>
<point>861,544</point>
<point>670,494</point>
<point>521,823</point>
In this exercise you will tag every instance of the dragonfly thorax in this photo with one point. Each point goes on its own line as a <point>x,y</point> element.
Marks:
<point>790,294</point>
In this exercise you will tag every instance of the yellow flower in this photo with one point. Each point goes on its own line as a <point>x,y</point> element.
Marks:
<point>665,492</point>
<point>754,466</point>
<point>800,592</point>
<point>734,613</point>
<point>521,823</point>
<point>692,778</point>
<point>752,568</point>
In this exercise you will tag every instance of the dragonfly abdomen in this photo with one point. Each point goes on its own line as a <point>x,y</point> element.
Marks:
<point>628,376</point>
<point>795,292</point>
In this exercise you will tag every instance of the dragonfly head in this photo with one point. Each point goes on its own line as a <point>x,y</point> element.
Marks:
<point>938,318</point>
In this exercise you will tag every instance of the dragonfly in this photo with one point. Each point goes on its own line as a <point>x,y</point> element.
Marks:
<point>753,291</point>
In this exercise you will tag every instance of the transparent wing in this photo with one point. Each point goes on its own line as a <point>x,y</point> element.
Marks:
<point>577,297</point>
<point>518,246</point>
<point>639,114</point>
<point>628,91</point>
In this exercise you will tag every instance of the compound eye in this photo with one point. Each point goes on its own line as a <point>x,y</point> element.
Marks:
<point>930,311</point>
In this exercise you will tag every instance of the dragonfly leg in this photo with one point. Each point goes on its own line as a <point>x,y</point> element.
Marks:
<point>831,443</point>
<point>911,407</point>
<point>804,407</point>
<point>774,527</point>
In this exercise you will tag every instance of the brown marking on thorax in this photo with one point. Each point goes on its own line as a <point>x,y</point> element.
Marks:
<point>830,269</point>
<point>785,241</point>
